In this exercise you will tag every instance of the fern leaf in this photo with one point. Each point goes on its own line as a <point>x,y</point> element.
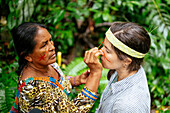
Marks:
<point>75,67</point>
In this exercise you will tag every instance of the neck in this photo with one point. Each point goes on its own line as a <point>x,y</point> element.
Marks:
<point>43,70</point>
<point>124,74</point>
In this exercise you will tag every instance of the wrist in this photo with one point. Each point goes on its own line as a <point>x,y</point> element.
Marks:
<point>77,81</point>
<point>96,73</point>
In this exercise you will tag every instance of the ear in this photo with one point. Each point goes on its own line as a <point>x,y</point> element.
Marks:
<point>28,58</point>
<point>128,61</point>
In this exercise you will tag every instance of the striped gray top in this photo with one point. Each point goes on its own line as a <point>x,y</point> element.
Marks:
<point>130,95</point>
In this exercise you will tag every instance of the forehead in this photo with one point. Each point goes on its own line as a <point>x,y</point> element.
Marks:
<point>42,35</point>
<point>107,43</point>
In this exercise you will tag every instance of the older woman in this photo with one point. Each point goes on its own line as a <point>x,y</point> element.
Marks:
<point>124,48</point>
<point>42,85</point>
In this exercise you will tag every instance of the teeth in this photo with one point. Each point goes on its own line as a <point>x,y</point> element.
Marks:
<point>52,56</point>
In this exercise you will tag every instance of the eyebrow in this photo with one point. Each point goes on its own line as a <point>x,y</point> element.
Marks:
<point>107,48</point>
<point>46,41</point>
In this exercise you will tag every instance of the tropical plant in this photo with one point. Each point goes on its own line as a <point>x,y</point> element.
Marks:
<point>78,25</point>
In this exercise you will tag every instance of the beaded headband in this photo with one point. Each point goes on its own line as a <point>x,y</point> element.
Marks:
<point>121,46</point>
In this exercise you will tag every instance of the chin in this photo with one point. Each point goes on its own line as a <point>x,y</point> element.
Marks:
<point>105,66</point>
<point>52,61</point>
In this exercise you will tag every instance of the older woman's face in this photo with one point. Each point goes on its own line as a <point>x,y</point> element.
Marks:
<point>44,51</point>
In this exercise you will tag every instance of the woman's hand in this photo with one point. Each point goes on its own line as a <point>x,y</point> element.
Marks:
<point>92,60</point>
<point>81,79</point>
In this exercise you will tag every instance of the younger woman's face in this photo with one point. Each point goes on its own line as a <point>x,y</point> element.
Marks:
<point>110,59</point>
<point>44,51</point>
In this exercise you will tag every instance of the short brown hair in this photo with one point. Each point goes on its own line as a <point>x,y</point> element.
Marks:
<point>135,37</point>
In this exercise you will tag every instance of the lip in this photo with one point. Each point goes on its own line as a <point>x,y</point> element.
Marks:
<point>52,56</point>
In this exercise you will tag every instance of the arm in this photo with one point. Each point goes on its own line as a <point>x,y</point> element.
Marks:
<point>92,61</point>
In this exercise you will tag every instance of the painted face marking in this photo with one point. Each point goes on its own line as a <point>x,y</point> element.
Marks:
<point>42,57</point>
<point>102,50</point>
<point>105,55</point>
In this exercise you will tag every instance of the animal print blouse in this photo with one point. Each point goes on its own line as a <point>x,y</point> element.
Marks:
<point>47,95</point>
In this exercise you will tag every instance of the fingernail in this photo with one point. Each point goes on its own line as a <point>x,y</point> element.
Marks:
<point>101,51</point>
<point>88,71</point>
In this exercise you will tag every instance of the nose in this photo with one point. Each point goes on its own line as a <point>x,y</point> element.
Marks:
<point>51,46</point>
<point>102,51</point>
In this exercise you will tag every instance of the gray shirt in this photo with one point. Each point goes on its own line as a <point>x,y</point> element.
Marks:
<point>130,95</point>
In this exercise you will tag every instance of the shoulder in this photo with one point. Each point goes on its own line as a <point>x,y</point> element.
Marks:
<point>27,73</point>
<point>133,100</point>
<point>57,67</point>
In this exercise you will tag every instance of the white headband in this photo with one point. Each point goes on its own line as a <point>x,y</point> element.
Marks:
<point>121,46</point>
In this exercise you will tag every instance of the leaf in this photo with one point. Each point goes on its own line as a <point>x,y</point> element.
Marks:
<point>153,88</point>
<point>81,2</point>
<point>114,8</point>
<point>157,103</point>
<point>165,33</point>
<point>97,5</point>
<point>160,90</point>
<point>105,16</point>
<point>97,15</point>
<point>164,101</point>
<point>11,21</point>
<point>75,66</point>
<point>58,16</point>
<point>165,63</point>
<point>161,28</point>
<point>163,45</point>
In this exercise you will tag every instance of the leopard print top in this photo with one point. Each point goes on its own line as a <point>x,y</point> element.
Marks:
<point>47,96</point>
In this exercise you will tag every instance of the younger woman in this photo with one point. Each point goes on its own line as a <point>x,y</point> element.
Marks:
<point>124,49</point>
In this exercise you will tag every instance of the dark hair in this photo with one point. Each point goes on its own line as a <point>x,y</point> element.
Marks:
<point>23,37</point>
<point>135,37</point>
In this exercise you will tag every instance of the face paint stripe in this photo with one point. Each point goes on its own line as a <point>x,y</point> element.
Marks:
<point>100,44</point>
<point>105,55</point>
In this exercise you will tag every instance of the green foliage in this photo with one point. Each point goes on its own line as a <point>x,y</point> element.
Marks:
<point>8,84</point>
<point>20,11</point>
<point>84,22</point>
<point>157,64</point>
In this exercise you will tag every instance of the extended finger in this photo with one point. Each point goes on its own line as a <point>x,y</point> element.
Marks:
<point>85,56</point>
<point>89,55</point>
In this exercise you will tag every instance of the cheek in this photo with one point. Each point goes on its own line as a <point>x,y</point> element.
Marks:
<point>43,55</point>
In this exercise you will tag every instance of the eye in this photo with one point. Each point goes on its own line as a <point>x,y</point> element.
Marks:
<point>44,44</point>
<point>107,51</point>
<point>51,39</point>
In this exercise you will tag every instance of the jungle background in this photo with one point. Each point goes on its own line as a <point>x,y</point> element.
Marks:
<point>78,25</point>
